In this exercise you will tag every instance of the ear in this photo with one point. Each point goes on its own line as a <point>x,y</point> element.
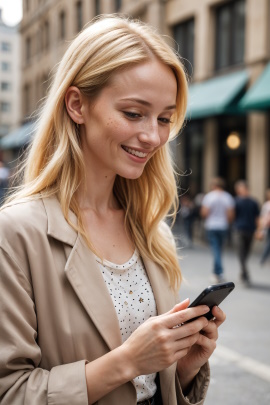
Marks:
<point>74,102</point>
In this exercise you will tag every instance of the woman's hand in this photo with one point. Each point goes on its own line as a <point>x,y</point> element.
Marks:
<point>154,346</point>
<point>189,365</point>
<point>158,342</point>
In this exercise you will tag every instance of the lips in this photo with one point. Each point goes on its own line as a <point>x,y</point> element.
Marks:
<point>135,152</point>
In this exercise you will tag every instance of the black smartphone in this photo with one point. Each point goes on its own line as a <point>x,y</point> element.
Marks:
<point>211,296</point>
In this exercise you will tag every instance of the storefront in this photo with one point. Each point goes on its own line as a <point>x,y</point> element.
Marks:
<point>214,141</point>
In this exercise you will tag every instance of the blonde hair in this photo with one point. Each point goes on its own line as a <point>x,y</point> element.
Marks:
<point>55,166</point>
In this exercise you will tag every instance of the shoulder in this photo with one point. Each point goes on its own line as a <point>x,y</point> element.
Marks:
<point>166,231</point>
<point>22,219</point>
<point>208,197</point>
<point>229,198</point>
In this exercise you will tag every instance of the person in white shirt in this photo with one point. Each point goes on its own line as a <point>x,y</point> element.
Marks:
<point>218,212</point>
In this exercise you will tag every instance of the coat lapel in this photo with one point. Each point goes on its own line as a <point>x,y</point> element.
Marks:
<point>87,281</point>
<point>84,275</point>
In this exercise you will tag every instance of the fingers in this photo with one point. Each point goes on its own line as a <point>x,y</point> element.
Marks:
<point>173,319</point>
<point>219,315</point>
<point>207,344</point>
<point>211,330</point>
<point>179,307</point>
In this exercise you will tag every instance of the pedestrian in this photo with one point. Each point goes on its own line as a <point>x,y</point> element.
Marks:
<point>263,230</point>
<point>218,212</point>
<point>246,220</point>
<point>4,181</point>
<point>187,216</point>
<point>89,269</point>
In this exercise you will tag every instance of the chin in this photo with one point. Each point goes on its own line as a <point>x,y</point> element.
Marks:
<point>131,175</point>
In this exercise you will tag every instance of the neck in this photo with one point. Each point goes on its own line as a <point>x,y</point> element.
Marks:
<point>96,193</point>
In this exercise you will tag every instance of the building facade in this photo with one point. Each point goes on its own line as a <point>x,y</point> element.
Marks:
<point>225,47</point>
<point>9,77</point>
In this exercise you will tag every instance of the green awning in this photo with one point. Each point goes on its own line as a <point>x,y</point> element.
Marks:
<point>216,96</point>
<point>18,137</point>
<point>258,96</point>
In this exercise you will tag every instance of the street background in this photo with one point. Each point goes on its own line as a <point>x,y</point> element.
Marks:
<point>240,366</point>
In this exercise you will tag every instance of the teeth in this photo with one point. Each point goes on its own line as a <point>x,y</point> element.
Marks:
<point>135,152</point>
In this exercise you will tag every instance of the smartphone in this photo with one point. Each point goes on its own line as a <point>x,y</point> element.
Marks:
<point>211,296</point>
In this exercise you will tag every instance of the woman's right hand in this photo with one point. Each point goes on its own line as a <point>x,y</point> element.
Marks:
<point>163,340</point>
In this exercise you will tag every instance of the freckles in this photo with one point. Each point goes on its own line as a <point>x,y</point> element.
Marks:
<point>111,123</point>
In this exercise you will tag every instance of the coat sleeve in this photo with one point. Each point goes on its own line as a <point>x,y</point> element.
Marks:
<point>22,381</point>
<point>198,390</point>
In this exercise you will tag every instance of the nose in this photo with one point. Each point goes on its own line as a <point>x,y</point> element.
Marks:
<point>150,135</point>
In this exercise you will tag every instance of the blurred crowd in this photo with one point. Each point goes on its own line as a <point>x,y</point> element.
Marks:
<point>220,218</point>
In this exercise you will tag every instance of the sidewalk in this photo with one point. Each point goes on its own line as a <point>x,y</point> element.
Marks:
<point>240,366</point>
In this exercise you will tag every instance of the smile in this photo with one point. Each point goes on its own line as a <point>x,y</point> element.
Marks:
<point>135,152</point>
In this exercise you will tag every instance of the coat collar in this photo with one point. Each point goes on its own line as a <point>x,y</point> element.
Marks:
<point>58,227</point>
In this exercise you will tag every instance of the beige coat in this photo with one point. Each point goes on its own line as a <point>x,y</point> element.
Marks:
<point>57,314</point>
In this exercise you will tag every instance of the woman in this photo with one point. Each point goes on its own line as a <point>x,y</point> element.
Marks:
<point>89,270</point>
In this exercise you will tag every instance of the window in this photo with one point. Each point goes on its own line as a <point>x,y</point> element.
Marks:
<point>79,16</point>
<point>28,49</point>
<point>4,129</point>
<point>6,46</point>
<point>62,25</point>
<point>230,34</point>
<point>46,35</point>
<point>118,4</point>
<point>5,66</point>
<point>5,107</point>
<point>97,7</point>
<point>184,36</point>
<point>5,86</point>
<point>26,103</point>
<point>27,5</point>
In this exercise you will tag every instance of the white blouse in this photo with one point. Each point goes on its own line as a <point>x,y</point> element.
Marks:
<point>134,302</point>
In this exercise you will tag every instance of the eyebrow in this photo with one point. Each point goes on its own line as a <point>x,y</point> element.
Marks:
<point>146,103</point>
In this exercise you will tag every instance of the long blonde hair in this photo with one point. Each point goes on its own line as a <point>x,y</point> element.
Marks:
<point>54,165</point>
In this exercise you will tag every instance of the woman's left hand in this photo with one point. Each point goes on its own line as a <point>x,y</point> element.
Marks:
<point>189,365</point>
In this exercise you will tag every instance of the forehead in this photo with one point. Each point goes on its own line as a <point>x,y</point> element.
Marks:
<point>151,79</point>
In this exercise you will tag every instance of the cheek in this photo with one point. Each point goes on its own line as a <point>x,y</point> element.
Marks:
<point>164,137</point>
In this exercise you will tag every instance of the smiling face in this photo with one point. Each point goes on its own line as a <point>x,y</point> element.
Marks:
<point>129,120</point>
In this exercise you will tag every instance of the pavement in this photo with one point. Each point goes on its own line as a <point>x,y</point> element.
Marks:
<point>240,366</point>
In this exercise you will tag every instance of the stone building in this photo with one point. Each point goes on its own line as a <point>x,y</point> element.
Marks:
<point>226,50</point>
<point>9,77</point>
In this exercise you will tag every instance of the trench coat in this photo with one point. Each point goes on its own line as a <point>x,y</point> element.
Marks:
<point>57,314</point>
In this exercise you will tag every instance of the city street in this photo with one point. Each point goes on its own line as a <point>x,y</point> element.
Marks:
<point>240,366</point>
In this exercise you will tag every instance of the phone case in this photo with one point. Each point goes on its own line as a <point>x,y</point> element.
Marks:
<point>213,295</point>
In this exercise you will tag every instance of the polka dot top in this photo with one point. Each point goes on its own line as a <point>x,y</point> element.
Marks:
<point>134,302</point>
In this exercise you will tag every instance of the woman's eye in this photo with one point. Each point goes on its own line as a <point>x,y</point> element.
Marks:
<point>131,114</point>
<point>165,120</point>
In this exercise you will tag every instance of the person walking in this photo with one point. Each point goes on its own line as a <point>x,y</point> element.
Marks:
<point>218,211</point>
<point>247,212</point>
<point>90,277</point>
<point>263,230</point>
<point>187,216</point>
